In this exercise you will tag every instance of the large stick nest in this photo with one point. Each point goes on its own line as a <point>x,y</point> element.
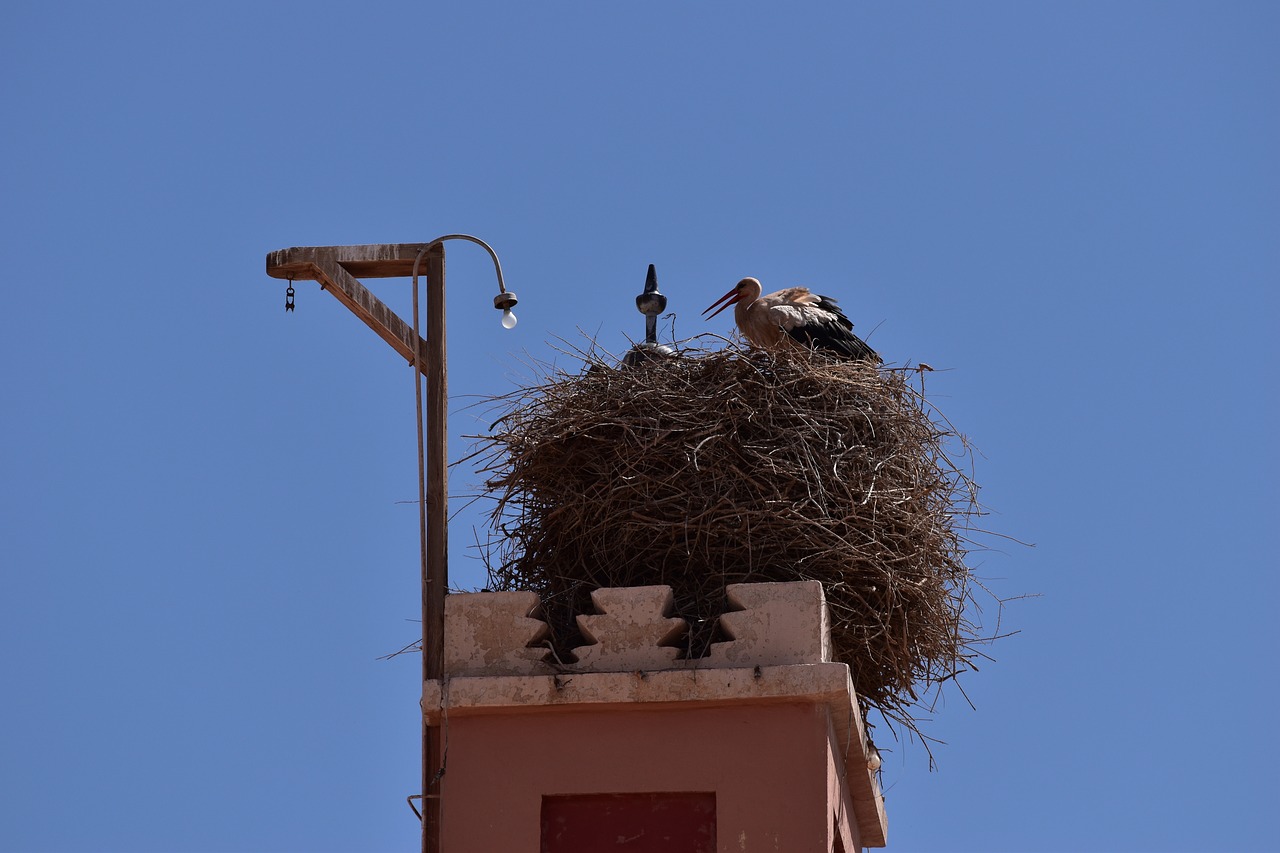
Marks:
<point>737,466</point>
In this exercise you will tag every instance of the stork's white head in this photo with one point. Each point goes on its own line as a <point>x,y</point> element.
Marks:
<point>747,290</point>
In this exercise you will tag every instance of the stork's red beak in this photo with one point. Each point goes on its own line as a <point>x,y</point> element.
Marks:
<point>728,299</point>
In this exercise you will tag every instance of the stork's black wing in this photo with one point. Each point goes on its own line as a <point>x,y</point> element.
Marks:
<point>833,333</point>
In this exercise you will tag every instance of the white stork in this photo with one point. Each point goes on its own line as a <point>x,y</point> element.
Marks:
<point>793,316</point>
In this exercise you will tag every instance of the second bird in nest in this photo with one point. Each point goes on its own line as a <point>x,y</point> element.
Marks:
<point>795,315</point>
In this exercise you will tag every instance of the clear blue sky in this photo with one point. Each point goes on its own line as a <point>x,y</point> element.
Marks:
<point>1072,208</point>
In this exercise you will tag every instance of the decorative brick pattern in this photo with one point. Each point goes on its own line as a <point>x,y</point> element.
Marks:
<point>490,633</point>
<point>631,630</point>
<point>774,624</point>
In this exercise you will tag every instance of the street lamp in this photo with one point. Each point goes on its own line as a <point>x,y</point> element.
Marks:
<point>336,268</point>
<point>433,500</point>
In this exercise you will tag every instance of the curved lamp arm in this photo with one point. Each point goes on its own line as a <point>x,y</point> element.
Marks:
<point>504,301</point>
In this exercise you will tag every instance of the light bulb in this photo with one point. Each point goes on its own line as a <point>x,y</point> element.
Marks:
<point>508,319</point>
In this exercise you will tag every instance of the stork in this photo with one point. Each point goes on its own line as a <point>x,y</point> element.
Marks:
<point>793,316</point>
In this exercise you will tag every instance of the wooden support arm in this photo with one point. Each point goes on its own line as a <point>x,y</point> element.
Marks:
<point>337,268</point>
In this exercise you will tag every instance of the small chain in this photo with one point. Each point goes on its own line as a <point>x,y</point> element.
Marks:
<point>288,297</point>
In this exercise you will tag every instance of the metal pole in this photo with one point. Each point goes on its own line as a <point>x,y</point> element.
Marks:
<point>436,579</point>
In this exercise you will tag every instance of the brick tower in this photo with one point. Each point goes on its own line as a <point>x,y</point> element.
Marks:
<point>759,746</point>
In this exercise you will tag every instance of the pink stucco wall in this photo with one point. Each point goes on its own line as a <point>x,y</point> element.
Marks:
<point>772,768</point>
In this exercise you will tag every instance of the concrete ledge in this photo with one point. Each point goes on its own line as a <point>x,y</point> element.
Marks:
<point>827,683</point>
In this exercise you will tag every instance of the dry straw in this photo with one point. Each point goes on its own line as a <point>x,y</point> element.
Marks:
<point>739,466</point>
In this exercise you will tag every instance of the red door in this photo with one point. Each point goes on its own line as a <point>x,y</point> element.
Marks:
<point>634,823</point>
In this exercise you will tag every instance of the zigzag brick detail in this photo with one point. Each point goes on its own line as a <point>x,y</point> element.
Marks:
<point>775,624</point>
<point>630,630</point>
<point>490,633</point>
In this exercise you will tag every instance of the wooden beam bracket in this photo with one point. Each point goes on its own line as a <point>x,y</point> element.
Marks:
<point>339,268</point>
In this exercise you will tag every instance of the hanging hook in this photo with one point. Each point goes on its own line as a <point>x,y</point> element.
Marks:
<point>288,296</point>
